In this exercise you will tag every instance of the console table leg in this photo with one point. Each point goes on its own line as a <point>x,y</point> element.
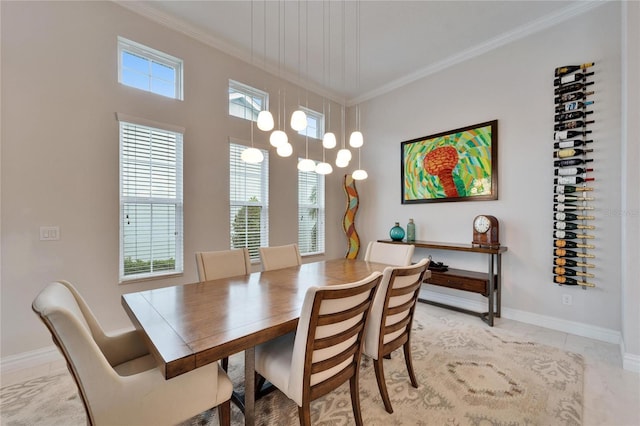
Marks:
<point>498,284</point>
<point>491,291</point>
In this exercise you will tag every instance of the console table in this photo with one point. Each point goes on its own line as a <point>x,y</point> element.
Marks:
<point>488,284</point>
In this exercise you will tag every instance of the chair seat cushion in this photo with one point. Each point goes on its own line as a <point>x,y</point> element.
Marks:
<point>135,366</point>
<point>273,361</point>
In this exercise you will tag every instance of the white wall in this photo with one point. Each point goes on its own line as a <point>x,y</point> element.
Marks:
<point>513,84</point>
<point>630,210</point>
<point>60,155</point>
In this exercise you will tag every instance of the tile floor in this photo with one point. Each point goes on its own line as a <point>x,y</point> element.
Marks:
<point>612,395</point>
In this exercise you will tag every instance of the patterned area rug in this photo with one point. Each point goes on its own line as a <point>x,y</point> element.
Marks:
<point>469,374</point>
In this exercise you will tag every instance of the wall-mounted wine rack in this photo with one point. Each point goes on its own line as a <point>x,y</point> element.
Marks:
<point>573,172</point>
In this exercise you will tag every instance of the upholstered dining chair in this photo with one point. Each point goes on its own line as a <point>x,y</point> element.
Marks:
<point>391,318</point>
<point>325,351</point>
<point>391,254</point>
<point>279,257</point>
<point>116,376</point>
<point>213,265</point>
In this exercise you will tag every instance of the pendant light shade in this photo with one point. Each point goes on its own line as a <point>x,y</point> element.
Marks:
<point>356,140</point>
<point>329,140</point>
<point>265,121</point>
<point>324,168</point>
<point>298,120</point>
<point>360,174</point>
<point>342,163</point>
<point>252,155</point>
<point>306,165</point>
<point>344,154</point>
<point>285,150</point>
<point>278,138</point>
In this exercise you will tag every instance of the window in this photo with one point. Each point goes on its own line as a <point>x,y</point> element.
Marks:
<point>315,124</point>
<point>310,212</point>
<point>150,199</point>
<point>148,69</point>
<point>245,101</point>
<point>248,201</point>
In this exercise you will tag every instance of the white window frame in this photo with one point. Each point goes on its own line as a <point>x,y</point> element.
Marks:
<point>240,196</point>
<point>152,55</point>
<point>319,117</point>
<point>305,204</point>
<point>170,166</point>
<point>236,90</point>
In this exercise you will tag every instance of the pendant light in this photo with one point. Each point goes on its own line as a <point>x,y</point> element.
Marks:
<point>279,138</point>
<point>356,140</point>
<point>329,138</point>
<point>299,117</point>
<point>252,155</point>
<point>265,119</point>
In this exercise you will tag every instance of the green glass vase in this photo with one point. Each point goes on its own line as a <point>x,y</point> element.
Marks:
<point>396,233</point>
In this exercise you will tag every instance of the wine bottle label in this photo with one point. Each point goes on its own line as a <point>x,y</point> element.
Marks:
<point>568,171</point>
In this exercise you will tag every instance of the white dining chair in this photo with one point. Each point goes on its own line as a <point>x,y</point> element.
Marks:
<point>118,380</point>
<point>325,351</point>
<point>391,254</point>
<point>391,319</point>
<point>279,257</point>
<point>213,265</point>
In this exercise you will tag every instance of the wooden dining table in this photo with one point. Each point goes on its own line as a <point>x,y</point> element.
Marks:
<point>188,326</point>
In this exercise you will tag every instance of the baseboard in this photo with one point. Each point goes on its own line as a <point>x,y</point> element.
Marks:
<point>31,359</point>
<point>630,362</point>
<point>572,327</point>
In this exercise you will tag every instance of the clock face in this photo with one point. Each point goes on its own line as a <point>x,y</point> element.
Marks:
<point>481,224</point>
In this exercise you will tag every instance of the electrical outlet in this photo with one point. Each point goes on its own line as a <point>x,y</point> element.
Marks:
<point>566,299</point>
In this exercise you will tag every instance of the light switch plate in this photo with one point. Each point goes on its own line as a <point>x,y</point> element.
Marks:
<point>49,233</point>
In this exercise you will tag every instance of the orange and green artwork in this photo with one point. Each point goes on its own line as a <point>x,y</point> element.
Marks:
<point>349,218</point>
<point>458,165</point>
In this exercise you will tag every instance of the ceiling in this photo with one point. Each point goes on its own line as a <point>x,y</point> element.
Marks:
<point>351,51</point>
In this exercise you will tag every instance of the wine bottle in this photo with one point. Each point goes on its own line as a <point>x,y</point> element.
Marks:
<point>565,207</point>
<point>571,216</point>
<point>572,125</point>
<point>571,180</point>
<point>570,225</point>
<point>572,106</point>
<point>568,134</point>
<point>575,96</point>
<point>561,198</point>
<point>561,261</point>
<point>563,189</point>
<point>572,162</point>
<point>559,270</point>
<point>570,253</point>
<point>570,152</point>
<point>571,78</point>
<point>571,87</point>
<point>566,235</point>
<point>562,279</point>
<point>571,144</point>
<point>568,69</point>
<point>572,244</point>
<point>571,115</point>
<point>571,171</point>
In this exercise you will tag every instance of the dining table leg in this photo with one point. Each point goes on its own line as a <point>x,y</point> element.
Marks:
<point>249,386</point>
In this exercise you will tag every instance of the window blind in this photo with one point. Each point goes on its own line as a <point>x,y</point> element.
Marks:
<point>248,202</point>
<point>151,202</point>
<point>310,212</point>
